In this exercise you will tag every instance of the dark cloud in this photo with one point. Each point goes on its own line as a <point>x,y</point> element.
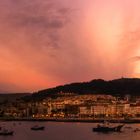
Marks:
<point>36,22</point>
<point>41,21</point>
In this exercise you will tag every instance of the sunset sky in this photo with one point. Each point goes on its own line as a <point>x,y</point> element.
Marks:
<point>45,43</point>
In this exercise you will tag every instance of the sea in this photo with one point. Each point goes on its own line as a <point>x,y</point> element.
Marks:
<point>66,131</point>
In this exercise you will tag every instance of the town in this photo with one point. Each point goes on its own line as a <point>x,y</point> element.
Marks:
<point>71,105</point>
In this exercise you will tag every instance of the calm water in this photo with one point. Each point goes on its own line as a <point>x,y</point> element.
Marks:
<point>64,131</point>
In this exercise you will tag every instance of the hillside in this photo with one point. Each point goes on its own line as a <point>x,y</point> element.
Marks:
<point>116,87</point>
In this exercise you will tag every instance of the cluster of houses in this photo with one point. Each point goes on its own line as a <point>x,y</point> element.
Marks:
<point>74,106</point>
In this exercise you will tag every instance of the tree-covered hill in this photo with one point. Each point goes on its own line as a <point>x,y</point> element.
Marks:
<point>116,87</point>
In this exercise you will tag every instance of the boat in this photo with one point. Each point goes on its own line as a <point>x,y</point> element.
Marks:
<point>6,132</point>
<point>36,127</point>
<point>108,128</point>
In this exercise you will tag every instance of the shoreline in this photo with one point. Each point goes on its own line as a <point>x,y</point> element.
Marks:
<point>81,120</point>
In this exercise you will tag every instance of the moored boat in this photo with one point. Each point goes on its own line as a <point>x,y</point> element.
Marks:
<point>6,132</point>
<point>36,127</point>
<point>108,128</point>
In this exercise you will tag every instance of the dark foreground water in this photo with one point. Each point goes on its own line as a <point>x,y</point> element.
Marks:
<point>65,131</point>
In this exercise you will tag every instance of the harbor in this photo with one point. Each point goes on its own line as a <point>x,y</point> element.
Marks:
<point>65,131</point>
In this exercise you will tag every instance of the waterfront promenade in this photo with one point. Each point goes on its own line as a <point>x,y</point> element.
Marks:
<point>90,120</point>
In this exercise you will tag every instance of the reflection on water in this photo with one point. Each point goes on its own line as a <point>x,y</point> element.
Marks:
<point>65,131</point>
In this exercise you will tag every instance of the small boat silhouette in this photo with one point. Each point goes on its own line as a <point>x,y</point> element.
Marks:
<point>6,132</point>
<point>36,127</point>
<point>108,128</point>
